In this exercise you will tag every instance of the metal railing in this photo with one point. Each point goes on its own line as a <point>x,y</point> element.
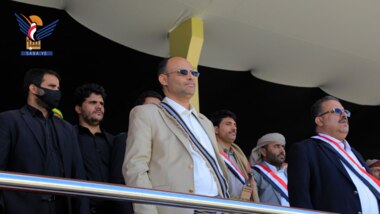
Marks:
<point>52,185</point>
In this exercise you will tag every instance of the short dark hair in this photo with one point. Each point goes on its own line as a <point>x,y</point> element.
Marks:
<point>85,90</point>
<point>162,66</point>
<point>150,93</point>
<point>35,76</point>
<point>316,108</point>
<point>217,117</point>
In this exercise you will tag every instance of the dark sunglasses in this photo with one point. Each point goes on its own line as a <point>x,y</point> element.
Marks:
<point>184,72</point>
<point>337,111</point>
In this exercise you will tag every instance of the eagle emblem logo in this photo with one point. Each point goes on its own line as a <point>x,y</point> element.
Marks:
<point>34,30</point>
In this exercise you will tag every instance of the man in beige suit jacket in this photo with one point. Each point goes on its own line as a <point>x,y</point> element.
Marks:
<point>160,152</point>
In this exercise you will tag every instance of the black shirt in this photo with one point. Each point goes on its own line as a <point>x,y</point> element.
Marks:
<point>96,154</point>
<point>53,159</point>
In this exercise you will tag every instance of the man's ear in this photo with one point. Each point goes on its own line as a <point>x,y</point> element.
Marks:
<point>78,109</point>
<point>163,79</point>
<point>216,130</point>
<point>263,152</point>
<point>33,88</point>
<point>318,121</point>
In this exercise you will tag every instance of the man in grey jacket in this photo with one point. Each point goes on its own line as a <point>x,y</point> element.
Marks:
<point>267,160</point>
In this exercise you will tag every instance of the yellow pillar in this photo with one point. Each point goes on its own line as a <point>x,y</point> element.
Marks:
<point>186,40</point>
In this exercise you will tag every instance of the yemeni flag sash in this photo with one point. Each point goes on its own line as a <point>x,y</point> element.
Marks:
<point>278,184</point>
<point>233,168</point>
<point>371,182</point>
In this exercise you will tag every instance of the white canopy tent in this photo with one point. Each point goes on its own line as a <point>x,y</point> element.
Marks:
<point>333,45</point>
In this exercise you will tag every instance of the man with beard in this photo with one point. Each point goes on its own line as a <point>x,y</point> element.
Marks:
<point>240,178</point>
<point>325,172</point>
<point>34,141</point>
<point>95,143</point>
<point>267,160</point>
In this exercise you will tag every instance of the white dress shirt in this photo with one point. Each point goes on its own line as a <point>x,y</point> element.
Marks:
<point>204,181</point>
<point>368,200</point>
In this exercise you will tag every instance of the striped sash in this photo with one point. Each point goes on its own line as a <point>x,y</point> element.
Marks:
<point>222,181</point>
<point>371,182</point>
<point>233,168</point>
<point>278,184</point>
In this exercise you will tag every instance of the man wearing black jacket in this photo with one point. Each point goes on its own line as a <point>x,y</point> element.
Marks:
<point>34,141</point>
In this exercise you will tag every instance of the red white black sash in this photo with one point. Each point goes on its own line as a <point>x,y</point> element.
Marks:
<point>372,183</point>
<point>233,168</point>
<point>271,177</point>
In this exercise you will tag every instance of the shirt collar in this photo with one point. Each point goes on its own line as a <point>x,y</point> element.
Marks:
<point>344,144</point>
<point>274,169</point>
<point>83,129</point>
<point>227,151</point>
<point>180,109</point>
<point>35,112</point>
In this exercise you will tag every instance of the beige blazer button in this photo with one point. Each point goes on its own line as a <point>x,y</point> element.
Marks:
<point>191,166</point>
<point>191,190</point>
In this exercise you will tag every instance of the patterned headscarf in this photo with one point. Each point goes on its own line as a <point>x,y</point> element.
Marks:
<point>255,157</point>
<point>373,163</point>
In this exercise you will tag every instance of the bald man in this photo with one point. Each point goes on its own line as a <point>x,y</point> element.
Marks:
<point>171,146</point>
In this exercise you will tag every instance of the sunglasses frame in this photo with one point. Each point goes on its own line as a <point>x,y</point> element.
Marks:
<point>337,111</point>
<point>185,72</point>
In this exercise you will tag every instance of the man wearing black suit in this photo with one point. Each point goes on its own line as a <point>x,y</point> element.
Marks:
<point>324,172</point>
<point>34,141</point>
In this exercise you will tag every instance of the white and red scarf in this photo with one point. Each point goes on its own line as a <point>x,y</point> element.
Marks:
<point>271,177</point>
<point>333,144</point>
<point>233,168</point>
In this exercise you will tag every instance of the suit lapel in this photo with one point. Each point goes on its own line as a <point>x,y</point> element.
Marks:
<point>209,132</point>
<point>223,186</point>
<point>32,123</point>
<point>60,141</point>
<point>176,128</point>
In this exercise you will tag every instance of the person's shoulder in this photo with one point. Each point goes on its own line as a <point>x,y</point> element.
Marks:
<point>107,133</point>
<point>202,116</point>
<point>150,107</point>
<point>237,148</point>
<point>10,114</point>
<point>63,122</point>
<point>257,174</point>
<point>149,111</point>
<point>306,144</point>
<point>121,135</point>
<point>109,136</point>
<point>120,139</point>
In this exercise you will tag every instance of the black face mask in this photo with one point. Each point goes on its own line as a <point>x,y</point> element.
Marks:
<point>50,97</point>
